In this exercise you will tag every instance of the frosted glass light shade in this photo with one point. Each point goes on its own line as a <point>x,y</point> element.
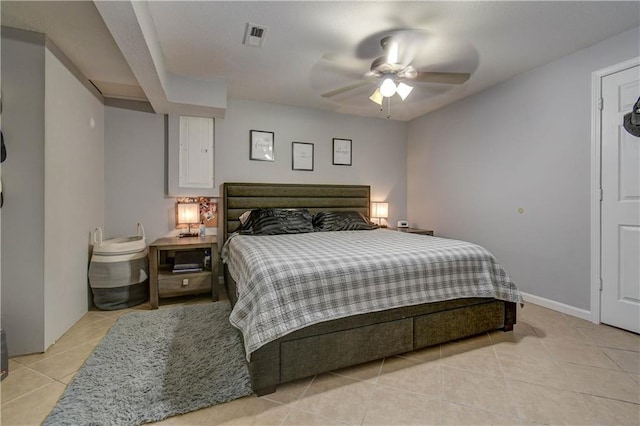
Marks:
<point>388,88</point>
<point>188,213</point>
<point>376,96</point>
<point>404,90</point>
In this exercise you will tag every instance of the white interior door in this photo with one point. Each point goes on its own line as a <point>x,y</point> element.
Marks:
<point>620,226</point>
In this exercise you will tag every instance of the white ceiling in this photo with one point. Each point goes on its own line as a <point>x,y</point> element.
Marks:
<point>179,51</point>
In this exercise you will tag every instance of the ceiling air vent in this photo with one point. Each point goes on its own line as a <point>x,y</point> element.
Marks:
<point>254,35</point>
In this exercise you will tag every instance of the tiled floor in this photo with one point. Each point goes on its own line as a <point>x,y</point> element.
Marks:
<point>553,369</point>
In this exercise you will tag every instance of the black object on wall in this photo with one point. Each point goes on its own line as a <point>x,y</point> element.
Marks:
<point>3,151</point>
<point>3,156</point>
<point>631,121</point>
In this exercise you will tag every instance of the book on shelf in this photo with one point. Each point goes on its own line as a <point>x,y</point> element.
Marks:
<point>181,270</point>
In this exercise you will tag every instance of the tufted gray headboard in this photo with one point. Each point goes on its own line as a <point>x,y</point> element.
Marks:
<point>237,198</point>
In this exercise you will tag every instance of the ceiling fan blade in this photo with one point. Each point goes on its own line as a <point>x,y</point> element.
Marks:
<point>342,65</point>
<point>344,89</point>
<point>442,77</point>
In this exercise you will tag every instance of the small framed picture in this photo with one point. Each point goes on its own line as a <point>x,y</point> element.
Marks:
<point>342,152</point>
<point>261,145</point>
<point>301,156</point>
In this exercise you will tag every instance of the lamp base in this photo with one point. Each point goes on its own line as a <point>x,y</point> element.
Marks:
<point>193,234</point>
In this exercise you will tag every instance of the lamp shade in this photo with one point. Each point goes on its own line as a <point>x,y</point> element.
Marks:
<point>376,96</point>
<point>380,210</point>
<point>388,88</point>
<point>188,213</point>
<point>404,90</point>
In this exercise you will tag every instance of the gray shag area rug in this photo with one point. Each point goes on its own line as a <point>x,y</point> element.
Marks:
<point>156,364</point>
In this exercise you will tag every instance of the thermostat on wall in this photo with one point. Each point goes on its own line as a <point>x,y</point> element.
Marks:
<point>403,224</point>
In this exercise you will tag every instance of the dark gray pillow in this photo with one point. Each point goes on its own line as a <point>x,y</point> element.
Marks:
<point>341,221</point>
<point>278,221</point>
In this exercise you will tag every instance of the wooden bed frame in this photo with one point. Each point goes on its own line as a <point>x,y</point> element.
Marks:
<point>353,340</point>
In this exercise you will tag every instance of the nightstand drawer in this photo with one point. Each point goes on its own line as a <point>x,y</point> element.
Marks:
<point>176,285</point>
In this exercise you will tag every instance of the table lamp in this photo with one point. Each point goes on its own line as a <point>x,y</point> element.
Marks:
<point>380,210</point>
<point>188,214</point>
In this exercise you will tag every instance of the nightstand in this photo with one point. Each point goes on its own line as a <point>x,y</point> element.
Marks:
<point>166,280</point>
<point>414,231</point>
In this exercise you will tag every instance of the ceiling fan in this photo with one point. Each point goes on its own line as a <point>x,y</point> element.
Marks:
<point>391,75</point>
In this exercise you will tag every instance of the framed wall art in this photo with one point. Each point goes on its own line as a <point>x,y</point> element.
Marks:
<point>342,152</point>
<point>302,156</point>
<point>261,148</point>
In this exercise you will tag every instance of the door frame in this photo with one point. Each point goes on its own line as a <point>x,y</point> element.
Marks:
<point>596,180</point>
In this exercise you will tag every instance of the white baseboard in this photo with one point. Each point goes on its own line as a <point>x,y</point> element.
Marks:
<point>557,306</point>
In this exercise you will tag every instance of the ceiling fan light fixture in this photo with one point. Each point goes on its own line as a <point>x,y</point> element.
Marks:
<point>376,96</point>
<point>403,90</point>
<point>388,87</point>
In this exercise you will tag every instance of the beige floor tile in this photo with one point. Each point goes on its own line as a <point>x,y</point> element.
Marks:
<point>483,360</point>
<point>32,408</point>
<point>432,353</point>
<point>578,353</point>
<point>67,379</point>
<point>298,417</point>
<point>245,411</point>
<point>579,322</point>
<point>65,343</point>
<point>30,358</point>
<point>602,382</point>
<point>61,365</point>
<point>612,412</point>
<point>455,414</point>
<point>507,344</point>
<point>88,319</point>
<point>368,371</point>
<point>338,398</point>
<point>477,390</point>
<point>92,331</point>
<point>628,361</point>
<point>389,406</point>
<point>22,381</point>
<point>289,393</point>
<point>119,312</point>
<point>466,345</point>
<point>563,332</point>
<point>542,371</point>
<point>14,366</point>
<point>548,405</point>
<point>534,314</point>
<point>423,378</point>
<point>611,337</point>
<point>524,328</point>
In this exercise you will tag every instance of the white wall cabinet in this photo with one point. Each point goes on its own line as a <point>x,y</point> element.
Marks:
<point>191,156</point>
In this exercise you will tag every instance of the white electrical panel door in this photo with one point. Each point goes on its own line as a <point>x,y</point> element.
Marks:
<point>196,152</point>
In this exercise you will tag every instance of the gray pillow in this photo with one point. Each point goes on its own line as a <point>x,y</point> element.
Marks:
<point>278,221</point>
<point>341,221</point>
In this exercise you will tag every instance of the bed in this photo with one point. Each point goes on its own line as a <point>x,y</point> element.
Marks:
<point>343,341</point>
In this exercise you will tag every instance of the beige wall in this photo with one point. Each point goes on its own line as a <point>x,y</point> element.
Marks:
<point>74,193</point>
<point>53,188</point>
<point>135,161</point>
<point>522,144</point>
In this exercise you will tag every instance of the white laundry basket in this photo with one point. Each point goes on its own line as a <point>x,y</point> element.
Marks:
<point>119,271</point>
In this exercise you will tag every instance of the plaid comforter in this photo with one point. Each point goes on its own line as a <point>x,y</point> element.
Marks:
<point>288,282</point>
